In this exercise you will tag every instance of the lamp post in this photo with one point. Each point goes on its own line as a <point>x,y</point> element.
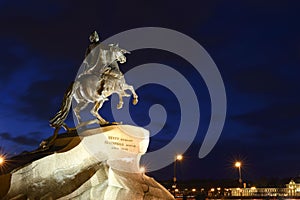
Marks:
<point>178,157</point>
<point>239,165</point>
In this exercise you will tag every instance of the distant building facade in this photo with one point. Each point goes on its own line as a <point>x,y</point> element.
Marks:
<point>291,189</point>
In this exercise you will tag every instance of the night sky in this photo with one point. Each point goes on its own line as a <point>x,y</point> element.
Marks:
<point>255,44</point>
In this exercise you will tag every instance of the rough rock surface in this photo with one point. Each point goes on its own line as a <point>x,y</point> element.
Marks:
<point>104,164</point>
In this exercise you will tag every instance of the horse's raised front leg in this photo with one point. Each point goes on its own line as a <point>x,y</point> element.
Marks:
<point>120,104</point>
<point>135,96</point>
<point>95,112</point>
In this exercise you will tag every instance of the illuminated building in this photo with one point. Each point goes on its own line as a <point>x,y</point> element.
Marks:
<point>291,189</point>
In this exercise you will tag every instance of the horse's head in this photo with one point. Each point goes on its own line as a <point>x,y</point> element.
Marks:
<point>118,53</point>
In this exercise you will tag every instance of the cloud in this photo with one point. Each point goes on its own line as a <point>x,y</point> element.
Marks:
<point>22,139</point>
<point>272,80</point>
<point>42,99</point>
<point>30,83</point>
<point>276,119</point>
<point>13,57</point>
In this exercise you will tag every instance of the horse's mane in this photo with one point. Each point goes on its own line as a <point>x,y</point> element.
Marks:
<point>104,58</point>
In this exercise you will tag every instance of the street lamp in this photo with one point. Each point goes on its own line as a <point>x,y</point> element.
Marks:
<point>239,165</point>
<point>2,160</point>
<point>178,157</point>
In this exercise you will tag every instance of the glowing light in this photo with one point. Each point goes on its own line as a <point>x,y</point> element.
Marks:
<point>238,164</point>
<point>179,157</point>
<point>193,190</point>
<point>176,190</point>
<point>2,160</point>
<point>142,169</point>
<point>212,189</point>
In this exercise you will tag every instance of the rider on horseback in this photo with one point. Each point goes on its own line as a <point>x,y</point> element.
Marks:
<point>100,78</point>
<point>58,120</point>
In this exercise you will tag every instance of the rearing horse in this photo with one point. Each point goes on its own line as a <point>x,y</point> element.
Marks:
<point>99,78</point>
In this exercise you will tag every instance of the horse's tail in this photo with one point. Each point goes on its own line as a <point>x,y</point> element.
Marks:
<point>58,120</point>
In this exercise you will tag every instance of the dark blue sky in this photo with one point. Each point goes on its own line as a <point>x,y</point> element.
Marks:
<point>255,44</point>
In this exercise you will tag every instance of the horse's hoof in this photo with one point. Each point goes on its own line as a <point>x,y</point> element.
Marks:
<point>126,95</point>
<point>103,123</point>
<point>43,144</point>
<point>135,101</point>
<point>119,106</point>
<point>71,129</point>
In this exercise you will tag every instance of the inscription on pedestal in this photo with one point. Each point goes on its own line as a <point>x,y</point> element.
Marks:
<point>121,143</point>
